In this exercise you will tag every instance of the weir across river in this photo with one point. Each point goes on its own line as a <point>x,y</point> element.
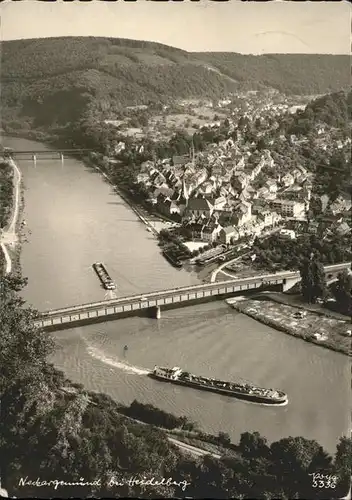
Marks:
<point>151,303</point>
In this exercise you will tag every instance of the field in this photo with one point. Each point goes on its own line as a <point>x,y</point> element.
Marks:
<point>189,121</point>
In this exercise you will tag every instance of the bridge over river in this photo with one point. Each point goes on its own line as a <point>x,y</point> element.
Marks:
<point>44,154</point>
<point>151,303</point>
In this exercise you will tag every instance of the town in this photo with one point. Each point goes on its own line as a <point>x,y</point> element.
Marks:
<point>175,250</point>
<point>243,176</point>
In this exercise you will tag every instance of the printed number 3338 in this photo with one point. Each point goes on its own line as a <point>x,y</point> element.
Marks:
<point>323,480</point>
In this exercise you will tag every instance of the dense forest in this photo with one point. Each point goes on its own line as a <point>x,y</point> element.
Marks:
<point>53,80</point>
<point>280,252</point>
<point>6,192</point>
<point>321,154</point>
<point>289,73</point>
<point>6,196</point>
<point>57,430</point>
<point>333,109</point>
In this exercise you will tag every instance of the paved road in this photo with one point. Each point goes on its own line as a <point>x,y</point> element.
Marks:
<point>193,450</point>
<point>8,236</point>
<point>222,266</point>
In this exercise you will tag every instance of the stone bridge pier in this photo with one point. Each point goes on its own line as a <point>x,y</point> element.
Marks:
<point>156,312</point>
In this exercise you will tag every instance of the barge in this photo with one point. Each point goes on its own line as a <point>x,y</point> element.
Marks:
<point>104,276</point>
<point>245,391</point>
<point>176,263</point>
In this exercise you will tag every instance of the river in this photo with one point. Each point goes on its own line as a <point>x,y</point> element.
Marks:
<point>74,218</point>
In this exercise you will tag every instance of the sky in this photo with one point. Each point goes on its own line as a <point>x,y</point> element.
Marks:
<point>234,26</point>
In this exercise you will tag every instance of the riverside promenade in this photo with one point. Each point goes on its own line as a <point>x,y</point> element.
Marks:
<point>128,202</point>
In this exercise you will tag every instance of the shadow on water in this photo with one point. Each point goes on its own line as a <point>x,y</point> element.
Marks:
<point>130,220</point>
<point>90,169</point>
<point>115,202</point>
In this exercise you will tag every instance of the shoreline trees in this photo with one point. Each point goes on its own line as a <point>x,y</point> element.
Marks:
<point>48,432</point>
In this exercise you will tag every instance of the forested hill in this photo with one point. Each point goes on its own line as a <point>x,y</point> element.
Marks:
<point>66,73</point>
<point>306,74</point>
<point>133,72</point>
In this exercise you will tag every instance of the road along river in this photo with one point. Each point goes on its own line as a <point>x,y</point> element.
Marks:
<point>74,218</point>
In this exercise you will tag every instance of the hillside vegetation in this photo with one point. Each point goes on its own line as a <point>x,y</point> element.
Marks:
<point>59,440</point>
<point>54,79</point>
<point>306,74</point>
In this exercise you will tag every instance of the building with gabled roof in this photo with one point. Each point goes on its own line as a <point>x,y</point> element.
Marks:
<point>227,234</point>
<point>180,160</point>
<point>199,206</point>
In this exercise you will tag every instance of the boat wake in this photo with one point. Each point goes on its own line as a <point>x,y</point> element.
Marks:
<point>121,365</point>
<point>109,295</point>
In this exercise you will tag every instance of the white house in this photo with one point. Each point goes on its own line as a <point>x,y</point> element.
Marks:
<point>267,217</point>
<point>219,203</point>
<point>289,208</point>
<point>288,232</point>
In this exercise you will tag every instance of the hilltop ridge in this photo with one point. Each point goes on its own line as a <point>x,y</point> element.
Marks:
<point>70,72</point>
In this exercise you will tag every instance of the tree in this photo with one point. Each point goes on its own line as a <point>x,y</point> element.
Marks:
<point>23,348</point>
<point>343,464</point>
<point>342,290</point>
<point>234,135</point>
<point>292,461</point>
<point>319,290</point>
<point>312,280</point>
<point>224,438</point>
<point>253,445</point>
<point>261,144</point>
<point>214,476</point>
<point>242,122</point>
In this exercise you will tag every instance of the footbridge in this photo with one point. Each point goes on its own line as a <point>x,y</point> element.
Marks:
<point>151,303</point>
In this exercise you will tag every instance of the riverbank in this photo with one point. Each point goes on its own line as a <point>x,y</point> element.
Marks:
<point>320,329</point>
<point>153,221</point>
<point>178,429</point>
<point>14,252</point>
<point>154,224</point>
<point>11,237</point>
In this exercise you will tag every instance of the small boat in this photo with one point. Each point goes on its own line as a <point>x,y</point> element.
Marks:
<point>125,348</point>
<point>104,276</point>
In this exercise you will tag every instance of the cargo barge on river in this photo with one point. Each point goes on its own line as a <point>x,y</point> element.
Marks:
<point>104,276</point>
<point>174,262</point>
<point>245,391</point>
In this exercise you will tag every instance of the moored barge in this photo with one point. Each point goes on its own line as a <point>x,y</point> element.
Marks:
<point>245,391</point>
<point>104,276</point>
<point>174,262</point>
